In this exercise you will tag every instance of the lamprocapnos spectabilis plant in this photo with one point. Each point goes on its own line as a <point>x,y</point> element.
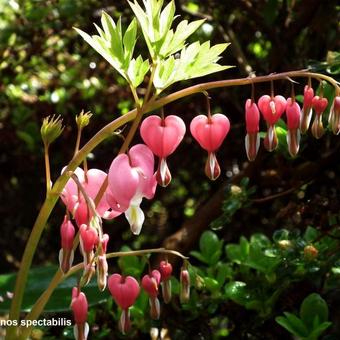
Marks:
<point>91,196</point>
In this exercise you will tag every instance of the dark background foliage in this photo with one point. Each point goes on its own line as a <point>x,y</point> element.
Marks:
<point>46,68</point>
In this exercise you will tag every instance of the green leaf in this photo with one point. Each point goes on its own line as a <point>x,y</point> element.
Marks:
<point>310,234</point>
<point>129,40</point>
<point>210,246</point>
<point>224,272</point>
<point>260,240</point>
<point>238,292</point>
<point>137,70</point>
<point>199,256</point>
<point>258,260</point>
<point>39,279</point>
<point>313,305</point>
<point>319,330</point>
<point>238,253</point>
<point>285,323</point>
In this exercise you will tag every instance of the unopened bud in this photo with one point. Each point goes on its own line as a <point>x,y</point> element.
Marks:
<point>284,244</point>
<point>79,307</point>
<point>83,119</point>
<point>310,252</point>
<point>184,286</point>
<point>51,129</point>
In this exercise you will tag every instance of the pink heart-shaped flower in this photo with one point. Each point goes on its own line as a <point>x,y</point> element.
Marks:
<point>252,116</point>
<point>308,95</point>
<point>272,108</point>
<point>151,282</point>
<point>319,104</point>
<point>124,290</point>
<point>293,113</point>
<point>165,268</point>
<point>162,136</point>
<point>210,131</point>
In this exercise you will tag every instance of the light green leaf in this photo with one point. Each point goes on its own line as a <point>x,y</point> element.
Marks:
<point>137,70</point>
<point>285,323</point>
<point>129,40</point>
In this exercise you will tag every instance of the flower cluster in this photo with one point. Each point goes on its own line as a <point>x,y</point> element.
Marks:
<point>273,107</point>
<point>125,291</point>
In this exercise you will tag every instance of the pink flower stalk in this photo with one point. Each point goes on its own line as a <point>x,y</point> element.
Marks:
<point>272,110</point>
<point>210,132</point>
<point>293,113</point>
<point>334,116</point>
<point>66,253</point>
<point>252,140</point>
<point>150,284</point>
<point>162,136</point>
<point>319,104</point>
<point>75,202</point>
<point>102,266</point>
<point>130,179</point>
<point>308,96</point>
<point>79,307</point>
<point>165,268</point>
<point>124,291</point>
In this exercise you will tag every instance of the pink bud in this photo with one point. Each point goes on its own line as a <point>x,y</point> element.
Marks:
<point>124,290</point>
<point>79,305</point>
<point>67,233</point>
<point>210,132</point>
<point>307,108</point>
<point>151,282</point>
<point>165,268</point>
<point>272,108</point>
<point>319,104</point>
<point>293,113</point>
<point>162,136</point>
<point>184,285</point>
<point>334,116</point>
<point>252,117</point>
<point>89,237</point>
<point>308,95</point>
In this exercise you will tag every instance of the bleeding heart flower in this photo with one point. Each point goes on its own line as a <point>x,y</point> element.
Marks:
<point>210,132</point>
<point>165,268</point>
<point>150,284</point>
<point>272,110</point>
<point>124,291</point>
<point>130,179</point>
<point>252,140</point>
<point>66,253</point>
<point>319,104</point>
<point>334,116</point>
<point>75,202</point>
<point>308,96</point>
<point>293,113</point>
<point>162,136</point>
<point>184,285</point>
<point>79,307</point>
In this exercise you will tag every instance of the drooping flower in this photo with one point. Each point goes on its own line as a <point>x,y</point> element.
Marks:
<point>307,108</point>
<point>102,266</point>
<point>165,268</point>
<point>319,105</point>
<point>150,284</point>
<point>124,291</point>
<point>162,136</point>
<point>130,179</point>
<point>210,132</point>
<point>184,285</point>
<point>272,109</point>
<point>293,113</point>
<point>92,180</point>
<point>252,140</point>
<point>334,116</point>
<point>66,253</point>
<point>79,307</point>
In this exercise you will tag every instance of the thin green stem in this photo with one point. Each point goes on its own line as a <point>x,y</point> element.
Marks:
<point>104,133</point>
<point>47,168</point>
<point>76,148</point>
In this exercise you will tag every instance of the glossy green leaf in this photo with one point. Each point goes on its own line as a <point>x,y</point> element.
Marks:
<point>313,306</point>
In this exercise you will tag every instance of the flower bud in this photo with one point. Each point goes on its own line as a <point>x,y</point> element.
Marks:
<point>293,113</point>
<point>79,307</point>
<point>310,252</point>
<point>88,239</point>
<point>150,284</point>
<point>252,140</point>
<point>184,286</point>
<point>307,108</point>
<point>165,268</point>
<point>66,253</point>
<point>51,129</point>
<point>83,119</point>
<point>334,116</point>
<point>319,105</point>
